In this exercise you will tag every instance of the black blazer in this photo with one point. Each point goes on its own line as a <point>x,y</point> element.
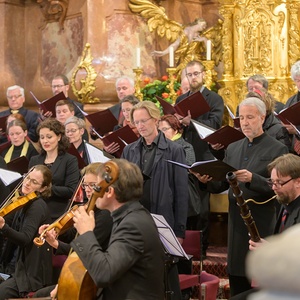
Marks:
<point>65,177</point>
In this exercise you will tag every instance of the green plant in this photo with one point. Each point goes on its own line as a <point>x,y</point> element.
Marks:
<point>159,88</point>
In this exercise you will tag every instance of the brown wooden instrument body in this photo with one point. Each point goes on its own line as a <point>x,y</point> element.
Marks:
<point>74,281</point>
<point>244,209</point>
<point>17,204</point>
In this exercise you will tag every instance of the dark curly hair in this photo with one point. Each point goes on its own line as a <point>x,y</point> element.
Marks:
<point>59,129</point>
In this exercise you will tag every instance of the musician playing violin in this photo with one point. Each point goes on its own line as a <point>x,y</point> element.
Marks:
<point>102,229</point>
<point>132,267</point>
<point>31,267</point>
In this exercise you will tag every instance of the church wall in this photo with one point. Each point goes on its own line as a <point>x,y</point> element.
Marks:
<point>34,51</point>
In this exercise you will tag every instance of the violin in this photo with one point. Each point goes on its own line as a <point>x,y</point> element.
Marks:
<point>18,203</point>
<point>63,223</point>
<point>74,281</point>
<point>13,203</point>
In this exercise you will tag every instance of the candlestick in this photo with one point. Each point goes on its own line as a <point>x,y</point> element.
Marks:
<point>171,57</point>
<point>138,57</point>
<point>137,83</point>
<point>171,73</point>
<point>208,50</point>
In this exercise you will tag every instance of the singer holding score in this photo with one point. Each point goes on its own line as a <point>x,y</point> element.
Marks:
<point>250,157</point>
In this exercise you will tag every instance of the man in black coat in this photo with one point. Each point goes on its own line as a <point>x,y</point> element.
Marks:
<point>195,73</point>
<point>165,184</point>
<point>250,157</point>
<point>16,98</point>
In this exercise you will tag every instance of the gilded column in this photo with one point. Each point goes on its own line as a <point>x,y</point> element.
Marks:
<point>294,36</point>
<point>227,41</point>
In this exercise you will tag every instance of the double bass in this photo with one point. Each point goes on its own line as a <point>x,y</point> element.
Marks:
<point>75,282</point>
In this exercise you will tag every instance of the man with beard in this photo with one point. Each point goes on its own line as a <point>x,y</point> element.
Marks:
<point>195,73</point>
<point>285,181</point>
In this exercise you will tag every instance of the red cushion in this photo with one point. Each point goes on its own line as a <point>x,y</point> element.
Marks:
<point>187,281</point>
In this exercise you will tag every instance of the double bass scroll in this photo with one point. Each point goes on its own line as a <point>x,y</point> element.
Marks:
<point>244,209</point>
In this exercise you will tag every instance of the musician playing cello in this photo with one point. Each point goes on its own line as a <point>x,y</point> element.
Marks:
<point>102,229</point>
<point>31,267</point>
<point>132,267</point>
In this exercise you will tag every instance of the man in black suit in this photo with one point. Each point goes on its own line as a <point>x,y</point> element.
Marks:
<point>285,181</point>
<point>60,83</point>
<point>16,98</point>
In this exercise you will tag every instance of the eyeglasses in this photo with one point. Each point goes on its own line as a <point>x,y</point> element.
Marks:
<point>195,74</point>
<point>165,129</point>
<point>90,185</point>
<point>57,86</point>
<point>143,122</point>
<point>14,96</point>
<point>32,181</point>
<point>73,130</point>
<point>277,184</point>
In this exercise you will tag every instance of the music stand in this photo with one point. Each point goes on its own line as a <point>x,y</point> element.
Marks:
<point>172,248</point>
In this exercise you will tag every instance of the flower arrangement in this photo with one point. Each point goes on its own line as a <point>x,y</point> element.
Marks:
<point>159,88</point>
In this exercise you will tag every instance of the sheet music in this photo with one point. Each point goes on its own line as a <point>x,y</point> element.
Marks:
<point>202,130</point>
<point>95,154</point>
<point>230,112</point>
<point>168,238</point>
<point>9,177</point>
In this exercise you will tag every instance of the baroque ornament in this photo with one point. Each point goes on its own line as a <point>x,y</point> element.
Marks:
<point>188,41</point>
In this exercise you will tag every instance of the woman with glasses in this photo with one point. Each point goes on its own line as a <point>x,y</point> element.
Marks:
<point>74,131</point>
<point>172,129</point>
<point>20,146</point>
<point>102,230</point>
<point>64,166</point>
<point>29,267</point>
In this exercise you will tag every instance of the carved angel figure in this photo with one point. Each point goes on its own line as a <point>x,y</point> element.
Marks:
<point>189,41</point>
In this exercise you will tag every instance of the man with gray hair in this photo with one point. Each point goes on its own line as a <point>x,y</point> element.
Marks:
<point>250,157</point>
<point>258,81</point>
<point>124,87</point>
<point>16,99</point>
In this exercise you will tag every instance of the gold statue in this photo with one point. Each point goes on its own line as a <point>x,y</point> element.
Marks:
<point>188,41</point>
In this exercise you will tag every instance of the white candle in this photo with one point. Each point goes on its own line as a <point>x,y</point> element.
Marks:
<point>138,57</point>
<point>208,50</point>
<point>171,57</point>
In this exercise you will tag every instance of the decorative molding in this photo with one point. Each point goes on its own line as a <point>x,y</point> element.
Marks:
<point>54,11</point>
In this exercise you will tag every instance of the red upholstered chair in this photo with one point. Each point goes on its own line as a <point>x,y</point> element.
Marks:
<point>209,286</point>
<point>192,246</point>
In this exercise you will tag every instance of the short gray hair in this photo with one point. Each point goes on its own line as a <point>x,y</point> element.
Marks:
<point>14,87</point>
<point>295,69</point>
<point>79,122</point>
<point>129,79</point>
<point>254,101</point>
<point>259,78</point>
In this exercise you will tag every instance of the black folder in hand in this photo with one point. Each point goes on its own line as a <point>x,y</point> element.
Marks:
<point>194,103</point>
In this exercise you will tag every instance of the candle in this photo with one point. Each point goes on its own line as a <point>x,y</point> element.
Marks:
<point>171,57</point>
<point>208,50</point>
<point>138,57</point>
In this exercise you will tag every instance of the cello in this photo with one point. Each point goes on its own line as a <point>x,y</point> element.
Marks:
<point>75,282</point>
